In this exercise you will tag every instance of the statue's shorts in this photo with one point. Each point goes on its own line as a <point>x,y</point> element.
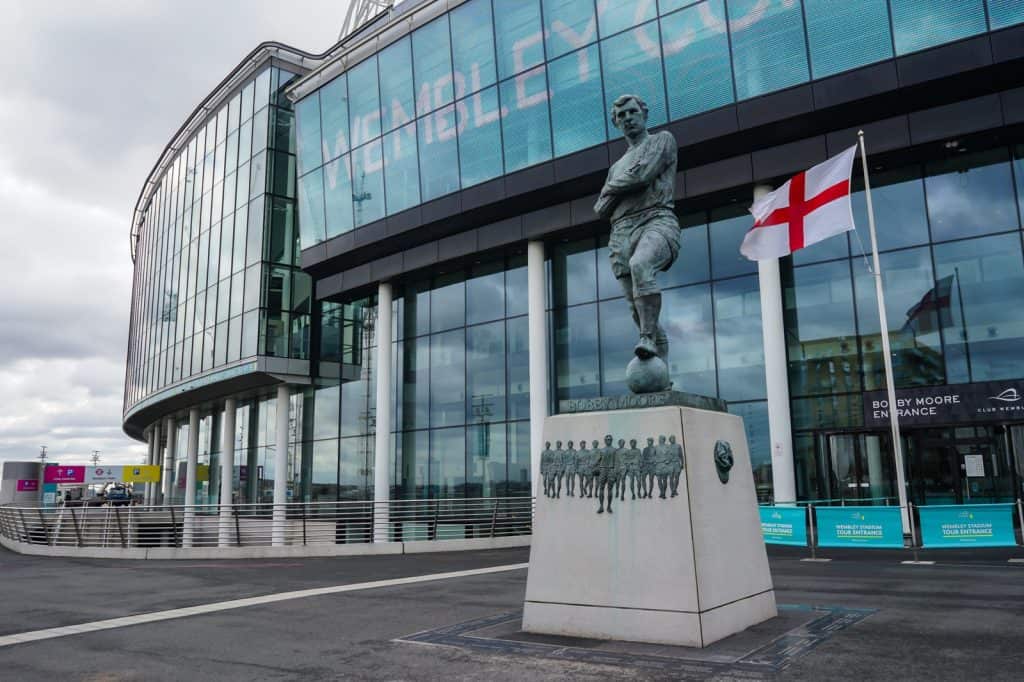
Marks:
<point>643,244</point>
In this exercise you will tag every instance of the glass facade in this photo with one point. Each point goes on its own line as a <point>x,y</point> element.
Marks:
<point>462,384</point>
<point>216,279</point>
<point>952,266</point>
<point>496,86</point>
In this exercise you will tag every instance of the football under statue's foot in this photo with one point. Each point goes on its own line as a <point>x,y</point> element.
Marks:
<point>645,348</point>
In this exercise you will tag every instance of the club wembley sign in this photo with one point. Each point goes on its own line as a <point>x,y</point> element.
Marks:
<point>987,401</point>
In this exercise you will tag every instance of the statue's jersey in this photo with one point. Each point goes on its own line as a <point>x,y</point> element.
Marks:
<point>652,164</point>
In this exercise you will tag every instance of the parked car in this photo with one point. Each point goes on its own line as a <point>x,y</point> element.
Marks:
<point>119,496</point>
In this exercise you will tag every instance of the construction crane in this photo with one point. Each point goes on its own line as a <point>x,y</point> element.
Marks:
<point>361,11</point>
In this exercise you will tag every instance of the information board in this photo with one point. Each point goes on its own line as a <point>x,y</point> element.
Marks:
<point>784,525</point>
<point>879,527</point>
<point>967,525</point>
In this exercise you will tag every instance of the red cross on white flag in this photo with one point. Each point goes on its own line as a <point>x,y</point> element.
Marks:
<point>809,207</point>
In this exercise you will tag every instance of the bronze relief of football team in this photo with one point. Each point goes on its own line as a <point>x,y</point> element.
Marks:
<point>605,471</point>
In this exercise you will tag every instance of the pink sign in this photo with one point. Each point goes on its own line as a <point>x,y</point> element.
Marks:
<point>61,474</point>
<point>28,485</point>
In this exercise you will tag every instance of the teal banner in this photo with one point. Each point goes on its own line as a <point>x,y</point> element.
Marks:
<point>967,525</point>
<point>784,525</point>
<point>878,527</point>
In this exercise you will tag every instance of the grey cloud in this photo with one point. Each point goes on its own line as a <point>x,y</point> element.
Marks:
<point>92,93</point>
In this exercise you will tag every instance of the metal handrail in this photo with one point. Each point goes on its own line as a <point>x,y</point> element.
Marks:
<point>267,524</point>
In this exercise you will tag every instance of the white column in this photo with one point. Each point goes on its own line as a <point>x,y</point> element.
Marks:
<point>227,470</point>
<point>776,374</point>
<point>192,463</point>
<point>281,467</point>
<point>172,447</point>
<point>151,443</point>
<point>382,442</point>
<point>154,457</point>
<point>537,322</point>
<point>158,461</point>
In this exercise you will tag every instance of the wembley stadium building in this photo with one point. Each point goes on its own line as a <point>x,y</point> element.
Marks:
<point>370,273</point>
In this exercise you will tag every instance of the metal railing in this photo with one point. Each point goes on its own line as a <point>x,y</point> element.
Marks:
<point>256,525</point>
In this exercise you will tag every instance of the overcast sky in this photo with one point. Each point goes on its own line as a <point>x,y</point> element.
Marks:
<point>92,92</point>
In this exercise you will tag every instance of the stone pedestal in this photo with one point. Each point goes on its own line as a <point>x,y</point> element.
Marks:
<point>685,570</point>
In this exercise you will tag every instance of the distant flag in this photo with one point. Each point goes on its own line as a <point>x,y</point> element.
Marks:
<point>809,207</point>
<point>932,310</point>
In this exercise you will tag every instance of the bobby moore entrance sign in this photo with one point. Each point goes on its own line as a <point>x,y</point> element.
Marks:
<point>810,207</point>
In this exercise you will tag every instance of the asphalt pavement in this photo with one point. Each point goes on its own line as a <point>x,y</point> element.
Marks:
<point>960,618</point>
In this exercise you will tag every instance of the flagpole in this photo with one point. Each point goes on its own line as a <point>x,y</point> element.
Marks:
<point>894,420</point>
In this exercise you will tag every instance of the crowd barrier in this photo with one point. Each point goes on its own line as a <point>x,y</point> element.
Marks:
<point>881,527</point>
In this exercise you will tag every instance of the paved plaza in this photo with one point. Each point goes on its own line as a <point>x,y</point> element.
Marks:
<point>860,616</point>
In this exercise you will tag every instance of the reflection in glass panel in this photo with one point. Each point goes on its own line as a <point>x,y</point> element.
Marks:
<point>368,183</point>
<point>568,25</point>
<point>515,286</point>
<point>396,89</point>
<point>970,194</point>
<point>472,47</point>
<point>695,45</point>
<point>739,341</point>
<point>1018,173</point>
<point>448,378</point>
<point>578,111</point>
<point>728,227</point>
<point>364,110</point>
<point>520,40</point>
<point>311,208</point>
<point>525,126</point>
<point>687,320</point>
<point>485,459</point>
<point>845,35</point>
<point>439,153</point>
<point>480,156</point>
<point>357,400</point>
<point>631,63</point>
<point>913,305</point>
<point>338,196</point>
<point>618,336</point>
<point>622,14</point>
<point>898,200</point>
<point>820,331</point>
<point>325,412</point>
<point>447,463</point>
<point>573,273</point>
<point>485,372</point>
<point>518,361</point>
<point>518,459</point>
<point>982,291</point>
<point>401,169</point>
<point>354,462</point>
<point>334,118</point>
<point>413,454</point>
<point>755,423</point>
<point>448,303</point>
<point>416,303</point>
<point>837,412</point>
<point>485,293</point>
<point>918,24</point>
<point>768,46</point>
<point>576,352</point>
<point>324,474</point>
<point>1003,13</point>
<point>693,263</point>
<point>432,66</point>
<point>415,383</point>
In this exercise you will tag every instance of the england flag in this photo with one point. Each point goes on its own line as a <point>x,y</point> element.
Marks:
<point>809,207</point>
